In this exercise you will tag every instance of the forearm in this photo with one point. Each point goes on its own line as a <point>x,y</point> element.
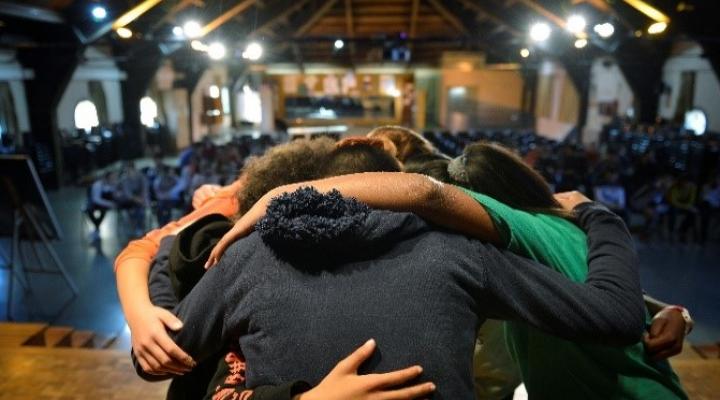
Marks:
<point>132,285</point>
<point>654,305</point>
<point>441,204</point>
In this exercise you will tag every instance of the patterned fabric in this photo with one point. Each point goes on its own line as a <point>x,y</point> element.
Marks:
<point>232,367</point>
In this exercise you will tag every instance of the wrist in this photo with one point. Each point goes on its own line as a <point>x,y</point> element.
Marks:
<point>689,323</point>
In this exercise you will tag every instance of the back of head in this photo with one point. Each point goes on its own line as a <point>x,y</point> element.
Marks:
<point>496,171</point>
<point>436,168</point>
<point>296,161</point>
<point>359,154</point>
<point>407,142</point>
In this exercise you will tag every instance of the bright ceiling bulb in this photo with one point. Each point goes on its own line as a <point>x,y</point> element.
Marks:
<point>124,32</point>
<point>524,53</point>
<point>253,51</point>
<point>192,29</point>
<point>178,32</point>
<point>580,43</point>
<point>99,13</point>
<point>604,30</point>
<point>540,32</point>
<point>198,45</point>
<point>658,27</point>
<point>216,51</point>
<point>575,24</point>
<point>339,44</point>
<point>214,91</point>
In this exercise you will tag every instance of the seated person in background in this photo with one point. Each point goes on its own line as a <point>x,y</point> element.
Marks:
<point>710,205</point>
<point>612,194</point>
<point>133,195</point>
<point>166,198</point>
<point>100,200</point>
<point>682,197</point>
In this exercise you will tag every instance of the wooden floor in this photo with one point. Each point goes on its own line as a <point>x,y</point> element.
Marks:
<point>72,373</point>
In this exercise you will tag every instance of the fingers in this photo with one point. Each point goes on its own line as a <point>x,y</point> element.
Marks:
<point>352,362</point>
<point>395,378</point>
<point>163,362</point>
<point>673,350</point>
<point>412,392</point>
<point>220,247</point>
<point>169,319</point>
<point>169,347</point>
<point>657,326</point>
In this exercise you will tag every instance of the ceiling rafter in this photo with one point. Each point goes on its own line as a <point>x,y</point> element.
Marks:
<point>226,16</point>
<point>449,17</point>
<point>413,18</point>
<point>481,11</point>
<point>170,16</point>
<point>314,18</point>
<point>265,27</point>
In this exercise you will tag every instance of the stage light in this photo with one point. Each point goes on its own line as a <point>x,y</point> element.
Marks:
<point>580,43</point>
<point>540,32</point>
<point>605,30</point>
<point>192,29</point>
<point>99,13</point>
<point>124,32</point>
<point>214,91</point>
<point>656,28</point>
<point>575,23</point>
<point>253,51</point>
<point>198,45</point>
<point>524,53</point>
<point>178,32</point>
<point>216,51</point>
<point>339,44</point>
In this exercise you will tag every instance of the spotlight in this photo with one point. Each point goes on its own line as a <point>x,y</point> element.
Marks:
<point>540,32</point>
<point>604,30</point>
<point>99,13</point>
<point>524,53</point>
<point>656,28</point>
<point>192,29</point>
<point>178,32</point>
<point>253,51</point>
<point>198,45</point>
<point>339,44</point>
<point>580,43</point>
<point>575,23</point>
<point>214,91</point>
<point>124,32</point>
<point>216,51</point>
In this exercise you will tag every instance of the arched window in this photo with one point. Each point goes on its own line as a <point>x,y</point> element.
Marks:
<point>86,115</point>
<point>148,112</point>
<point>250,105</point>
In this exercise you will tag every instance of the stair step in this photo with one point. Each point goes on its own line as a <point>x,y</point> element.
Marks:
<point>122,341</point>
<point>103,341</point>
<point>708,351</point>
<point>78,339</point>
<point>50,336</point>
<point>14,334</point>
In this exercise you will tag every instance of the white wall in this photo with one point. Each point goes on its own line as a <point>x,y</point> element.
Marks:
<point>12,72</point>
<point>556,108</point>
<point>687,56</point>
<point>98,66</point>
<point>607,85</point>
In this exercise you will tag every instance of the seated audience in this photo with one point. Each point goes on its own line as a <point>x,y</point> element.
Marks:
<point>682,197</point>
<point>100,200</point>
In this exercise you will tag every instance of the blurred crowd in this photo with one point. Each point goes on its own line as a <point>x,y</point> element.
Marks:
<point>665,184</point>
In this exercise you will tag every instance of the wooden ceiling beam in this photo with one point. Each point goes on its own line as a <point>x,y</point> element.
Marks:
<point>315,18</point>
<point>484,13</point>
<point>174,11</point>
<point>552,17</point>
<point>349,19</point>
<point>265,27</point>
<point>226,16</point>
<point>449,17</point>
<point>413,18</point>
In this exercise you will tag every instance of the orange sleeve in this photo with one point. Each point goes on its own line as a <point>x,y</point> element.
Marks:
<point>146,247</point>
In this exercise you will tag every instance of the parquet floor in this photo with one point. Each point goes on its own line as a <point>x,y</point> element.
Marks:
<point>72,374</point>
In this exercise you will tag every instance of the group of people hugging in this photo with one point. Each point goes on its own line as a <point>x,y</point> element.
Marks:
<point>378,268</point>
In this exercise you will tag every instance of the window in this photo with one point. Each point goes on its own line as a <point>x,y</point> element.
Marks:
<point>86,115</point>
<point>148,112</point>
